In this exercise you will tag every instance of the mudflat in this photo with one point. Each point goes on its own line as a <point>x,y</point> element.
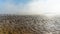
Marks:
<point>28,24</point>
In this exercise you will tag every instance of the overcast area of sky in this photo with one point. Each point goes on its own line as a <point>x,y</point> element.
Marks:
<point>29,7</point>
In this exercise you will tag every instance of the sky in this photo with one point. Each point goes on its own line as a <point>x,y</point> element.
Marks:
<point>30,7</point>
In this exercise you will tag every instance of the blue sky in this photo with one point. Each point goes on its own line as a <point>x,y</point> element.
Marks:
<point>16,4</point>
<point>15,1</point>
<point>48,7</point>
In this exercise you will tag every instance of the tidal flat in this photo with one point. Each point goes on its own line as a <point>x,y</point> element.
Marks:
<point>29,24</point>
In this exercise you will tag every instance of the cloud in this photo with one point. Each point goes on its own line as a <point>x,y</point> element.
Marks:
<point>46,7</point>
<point>53,7</point>
<point>37,7</point>
<point>10,8</point>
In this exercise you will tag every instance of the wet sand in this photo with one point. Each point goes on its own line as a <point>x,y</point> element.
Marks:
<point>28,24</point>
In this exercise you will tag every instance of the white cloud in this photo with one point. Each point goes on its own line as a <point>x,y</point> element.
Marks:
<point>46,7</point>
<point>37,7</point>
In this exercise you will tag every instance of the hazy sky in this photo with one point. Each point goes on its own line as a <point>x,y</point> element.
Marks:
<point>47,7</point>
